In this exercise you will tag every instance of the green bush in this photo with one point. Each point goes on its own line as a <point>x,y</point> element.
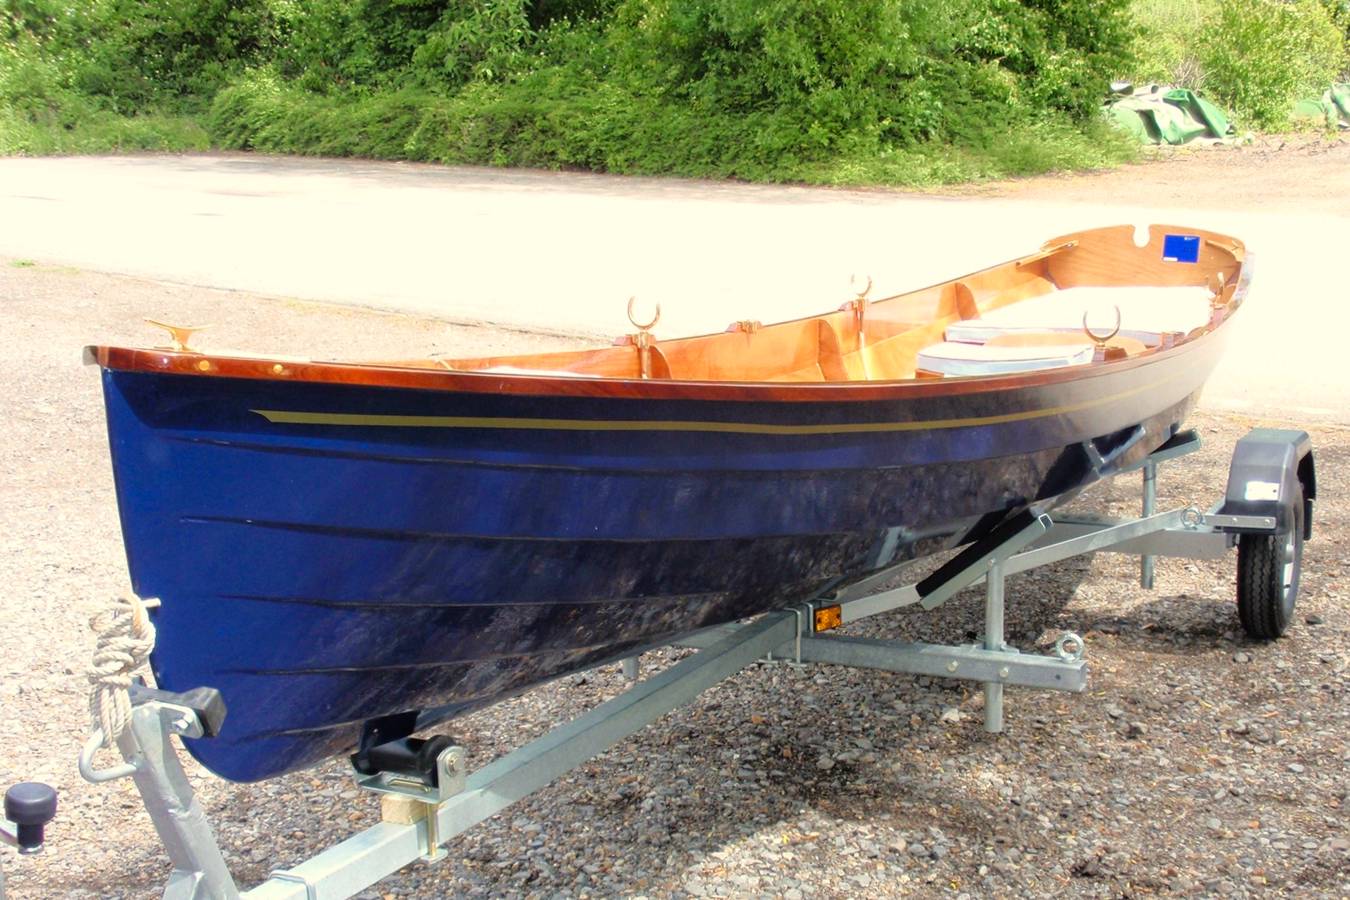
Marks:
<point>64,88</point>
<point>1259,56</point>
<point>1169,41</point>
<point>826,90</point>
<point>130,54</point>
<point>1339,11</point>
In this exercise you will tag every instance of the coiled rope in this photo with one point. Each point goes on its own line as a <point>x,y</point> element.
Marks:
<point>125,639</point>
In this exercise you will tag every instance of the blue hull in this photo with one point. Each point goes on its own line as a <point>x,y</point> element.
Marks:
<point>438,551</point>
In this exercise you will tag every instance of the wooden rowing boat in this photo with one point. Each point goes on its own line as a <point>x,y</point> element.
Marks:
<point>336,544</point>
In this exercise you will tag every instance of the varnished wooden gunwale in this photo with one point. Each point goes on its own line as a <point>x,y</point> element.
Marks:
<point>1097,256</point>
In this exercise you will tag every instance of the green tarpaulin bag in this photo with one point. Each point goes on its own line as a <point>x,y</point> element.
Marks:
<point>1201,110</point>
<point>1340,96</point>
<point>1332,109</point>
<point>1161,115</point>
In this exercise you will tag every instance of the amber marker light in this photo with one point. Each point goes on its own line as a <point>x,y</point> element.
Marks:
<point>829,617</point>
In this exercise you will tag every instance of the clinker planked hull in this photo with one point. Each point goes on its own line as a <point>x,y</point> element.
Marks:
<point>324,572</point>
<point>336,543</point>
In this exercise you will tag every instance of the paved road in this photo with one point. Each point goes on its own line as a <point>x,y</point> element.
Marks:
<point>563,252</point>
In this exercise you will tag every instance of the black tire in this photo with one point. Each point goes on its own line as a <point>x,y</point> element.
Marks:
<point>1267,578</point>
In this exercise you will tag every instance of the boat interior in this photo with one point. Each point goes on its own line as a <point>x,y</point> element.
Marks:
<point>1087,298</point>
<point>1094,296</point>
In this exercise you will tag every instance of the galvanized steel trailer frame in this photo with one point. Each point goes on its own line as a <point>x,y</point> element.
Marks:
<point>419,816</point>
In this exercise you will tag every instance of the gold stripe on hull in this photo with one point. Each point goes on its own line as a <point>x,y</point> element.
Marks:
<point>369,420</point>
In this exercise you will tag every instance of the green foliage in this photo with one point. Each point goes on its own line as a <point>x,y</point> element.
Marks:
<point>97,131</point>
<point>1169,41</point>
<point>820,90</point>
<point>1339,11</point>
<point>176,48</point>
<point>1260,55</point>
<point>128,54</point>
<point>542,121</point>
<point>1088,42</point>
<point>344,45</point>
<point>769,90</point>
<point>42,109</point>
<point>544,13</point>
<point>1253,56</point>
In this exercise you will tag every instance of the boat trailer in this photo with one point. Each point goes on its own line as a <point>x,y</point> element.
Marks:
<point>428,797</point>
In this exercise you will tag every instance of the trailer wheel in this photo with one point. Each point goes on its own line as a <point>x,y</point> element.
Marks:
<point>1267,577</point>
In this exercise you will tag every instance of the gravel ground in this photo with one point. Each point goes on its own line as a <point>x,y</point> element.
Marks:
<point>1197,763</point>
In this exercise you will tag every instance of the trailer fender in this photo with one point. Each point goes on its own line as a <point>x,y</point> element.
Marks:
<point>1271,470</point>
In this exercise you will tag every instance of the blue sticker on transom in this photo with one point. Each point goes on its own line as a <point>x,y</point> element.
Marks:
<point>1181,248</point>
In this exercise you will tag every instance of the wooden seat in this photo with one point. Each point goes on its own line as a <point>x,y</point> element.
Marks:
<point>1146,313</point>
<point>951,358</point>
<point>1129,345</point>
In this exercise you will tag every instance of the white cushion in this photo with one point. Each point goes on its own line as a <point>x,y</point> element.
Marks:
<point>1145,313</point>
<point>953,358</point>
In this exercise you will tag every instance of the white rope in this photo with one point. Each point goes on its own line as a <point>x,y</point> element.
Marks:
<point>125,639</point>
